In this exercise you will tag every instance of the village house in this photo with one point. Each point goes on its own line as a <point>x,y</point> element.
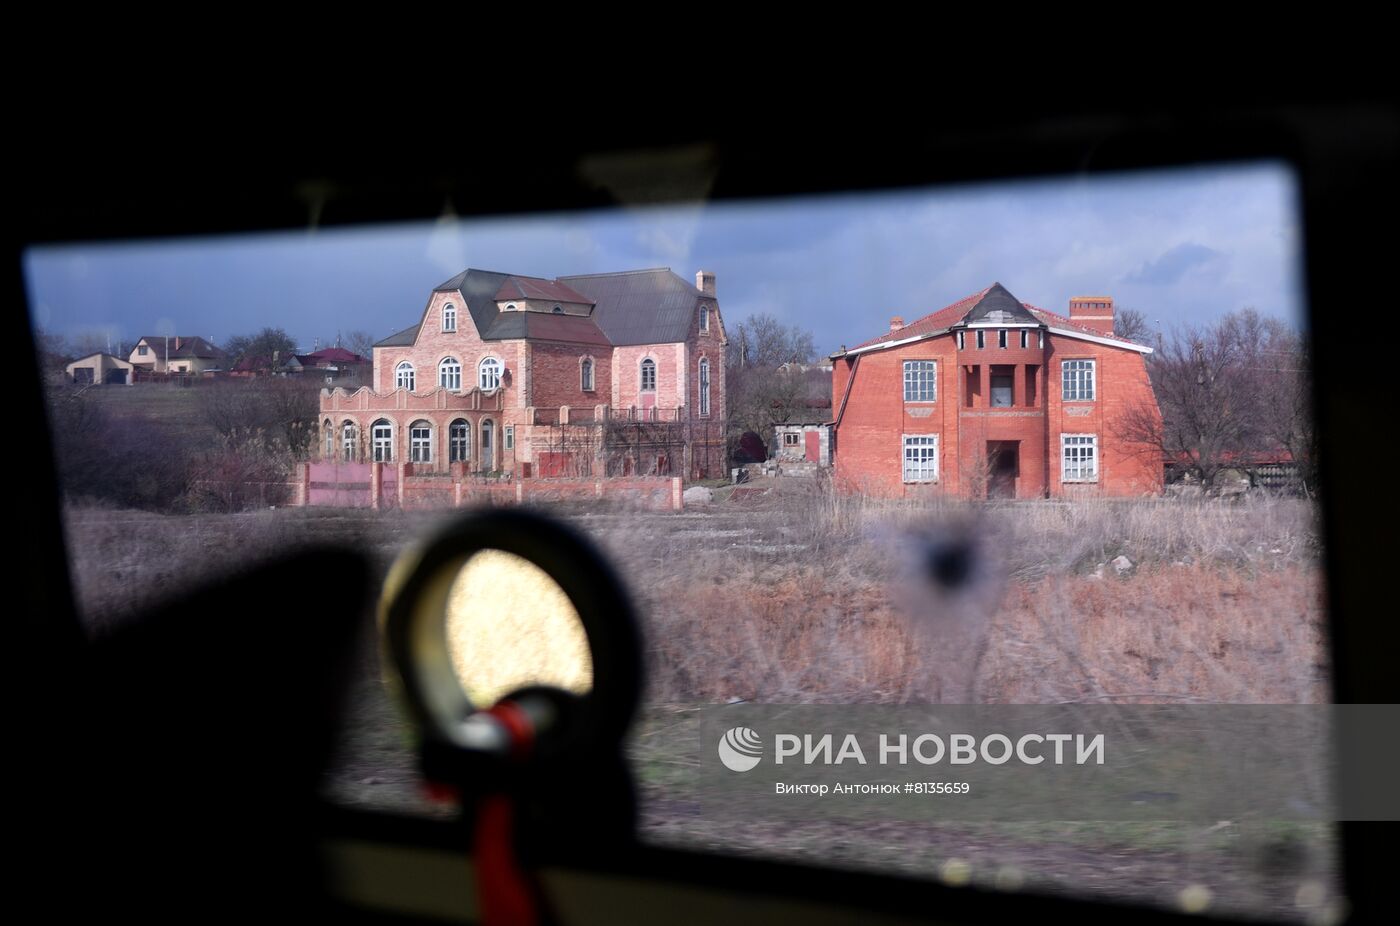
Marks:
<point>99,369</point>
<point>176,354</point>
<point>604,374</point>
<point>991,397</point>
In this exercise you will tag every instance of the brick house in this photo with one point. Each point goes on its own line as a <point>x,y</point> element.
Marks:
<point>606,374</point>
<point>993,397</point>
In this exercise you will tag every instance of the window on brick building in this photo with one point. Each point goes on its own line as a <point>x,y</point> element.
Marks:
<point>1025,338</point>
<point>382,440</point>
<point>704,320</point>
<point>449,317</point>
<point>1001,338</point>
<point>1002,390</point>
<point>558,310</point>
<point>489,373</point>
<point>403,376</point>
<point>329,430</point>
<point>349,442</point>
<point>648,375</point>
<point>704,388</point>
<point>981,340</point>
<point>1078,380</point>
<point>450,374</point>
<point>921,458</point>
<point>1079,458</point>
<point>962,340</point>
<point>920,381</point>
<point>509,441</point>
<point>586,375</point>
<point>792,439</point>
<point>420,442</point>
<point>459,441</point>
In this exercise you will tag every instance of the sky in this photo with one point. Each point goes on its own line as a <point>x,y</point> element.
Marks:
<point>1183,246</point>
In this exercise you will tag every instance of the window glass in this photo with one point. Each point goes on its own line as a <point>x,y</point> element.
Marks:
<point>784,589</point>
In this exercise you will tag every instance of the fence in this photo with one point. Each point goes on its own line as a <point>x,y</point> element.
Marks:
<point>393,485</point>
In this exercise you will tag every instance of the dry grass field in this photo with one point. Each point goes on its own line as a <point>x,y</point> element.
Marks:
<point>806,597</point>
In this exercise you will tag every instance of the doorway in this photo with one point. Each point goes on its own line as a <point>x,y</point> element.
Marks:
<point>1003,464</point>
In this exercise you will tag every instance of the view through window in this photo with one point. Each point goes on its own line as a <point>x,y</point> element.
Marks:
<point>1125,441</point>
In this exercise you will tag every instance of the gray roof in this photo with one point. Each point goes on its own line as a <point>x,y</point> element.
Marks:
<point>995,299</point>
<point>640,306</point>
<point>404,338</point>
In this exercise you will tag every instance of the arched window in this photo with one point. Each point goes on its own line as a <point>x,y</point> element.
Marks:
<point>449,317</point>
<point>450,374</point>
<point>648,375</point>
<point>704,387</point>
<point>329,430</point>
<point>349,442</point>
<point>558,310</point>
<point>403,376</point>
<point>420,442</point>
<point>382,438</point>
<point>586,374</point>
<point>459,441</point>
<point>488,455</point>
<point>490,370</point>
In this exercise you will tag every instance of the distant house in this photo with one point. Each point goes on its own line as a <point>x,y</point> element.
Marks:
<point>99,368</point>
<point>994,397</point>
<point>176,354</point>
<point>802,442</point>
<point>335,365</point>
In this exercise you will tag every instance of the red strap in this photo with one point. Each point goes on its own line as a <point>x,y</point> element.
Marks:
<point>503,889</point>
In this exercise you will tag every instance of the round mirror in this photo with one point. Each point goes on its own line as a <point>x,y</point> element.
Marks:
<point>509,626</point>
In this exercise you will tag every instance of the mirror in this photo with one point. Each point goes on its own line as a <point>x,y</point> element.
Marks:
<point>510,625</point>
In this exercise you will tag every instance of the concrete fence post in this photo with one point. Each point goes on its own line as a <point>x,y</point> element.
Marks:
<point>402,473</point>
<point>376,485</point>
<point>677,498</point>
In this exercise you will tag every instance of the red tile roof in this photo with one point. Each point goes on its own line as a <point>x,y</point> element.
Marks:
<point>951,315</point>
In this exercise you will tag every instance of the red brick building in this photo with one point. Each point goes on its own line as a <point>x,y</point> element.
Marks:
<point>993,397</point>
<point>607,374</point>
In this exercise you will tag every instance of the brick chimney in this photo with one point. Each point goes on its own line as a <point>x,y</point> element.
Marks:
<point>896,323</point>
<point>705,282</point>
<point>1092,312</point>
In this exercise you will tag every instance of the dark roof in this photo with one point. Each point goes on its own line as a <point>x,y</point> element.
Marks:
<point>640,306</point>
<point>330,355</point>
<point>995,298</point>
<point>404,338</point>
<point>480,288</point>
<point>518,287</point>
<point>185,347</point>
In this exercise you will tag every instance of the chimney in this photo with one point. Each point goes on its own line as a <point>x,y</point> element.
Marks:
<point>896,323</point>
<point>1092,312</point>
<point>705,282</point>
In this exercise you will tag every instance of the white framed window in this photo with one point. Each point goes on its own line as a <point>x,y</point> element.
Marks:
<point>420,442</point>
<point>1079,458</point>
<point>349,442</point>
<point>489,373</point>
<point>330,439</point>
<point>403,376</point>
<point>920,457</point>
<point>450,374</point>
<point>648,375</point>
<point>142,350</point>
<point>449,317</point>
<point>981,339</point>
<point>1077,377</point>
<point>586,374</point>
<point>704,388</point>
<point>920,380</point>
<point>704,320</point>
<point>962,340</point>
<point>509,440</point>
<point>382,440</point>
<point>459,441</point>
<point>791,439</point>
<point>488,455</point>
<point>1001,338</point>
<point>1025,337</point>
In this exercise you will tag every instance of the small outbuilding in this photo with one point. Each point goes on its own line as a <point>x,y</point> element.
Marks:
<point>100,369</point>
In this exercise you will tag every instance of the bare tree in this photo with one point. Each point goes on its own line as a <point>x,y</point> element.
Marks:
<point>357,342</point>
<point>265,344</point>
<point>1132,324</point>
<point>1229,394</point>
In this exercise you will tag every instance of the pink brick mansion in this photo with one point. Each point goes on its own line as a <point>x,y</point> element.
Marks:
<point>604,374</point>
